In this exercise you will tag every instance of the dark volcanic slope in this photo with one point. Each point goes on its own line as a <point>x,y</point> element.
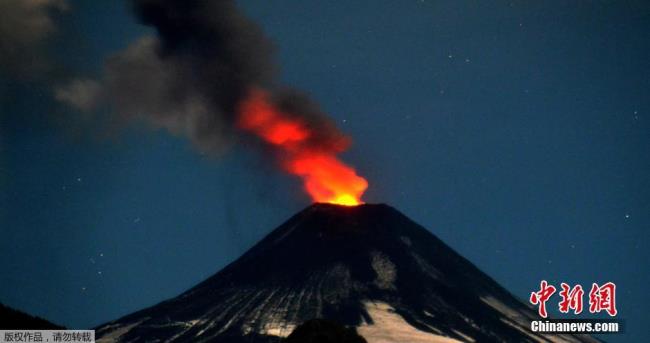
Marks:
<point>11,319</point>
<point>367,266</point>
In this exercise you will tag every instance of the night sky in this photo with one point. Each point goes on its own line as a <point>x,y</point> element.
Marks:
<point>517,133</point>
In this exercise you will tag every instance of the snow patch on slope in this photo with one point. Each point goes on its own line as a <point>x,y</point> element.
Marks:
<point>390,327</point>
<point>119,331</point>
<point>278,329</point>
<point>385,269</point>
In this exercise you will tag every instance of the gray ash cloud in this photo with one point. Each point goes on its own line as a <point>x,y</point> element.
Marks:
<point>191,75</point>
<point>26,27</point>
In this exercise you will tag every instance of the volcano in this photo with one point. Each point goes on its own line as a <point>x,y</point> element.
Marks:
<point>367,267</point>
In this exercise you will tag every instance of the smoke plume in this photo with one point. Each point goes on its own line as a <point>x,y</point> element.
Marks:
<point>204,67</point>
<point>189,78</point>
<point>25,28</point>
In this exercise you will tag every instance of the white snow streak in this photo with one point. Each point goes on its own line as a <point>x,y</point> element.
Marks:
<point>390,327</point>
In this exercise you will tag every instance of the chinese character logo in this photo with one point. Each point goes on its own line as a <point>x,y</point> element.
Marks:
<point>601,298</point>
<point>541,297</point>
<point>571,298</point>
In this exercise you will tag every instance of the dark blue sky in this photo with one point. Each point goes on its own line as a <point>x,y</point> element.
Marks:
<point>518,133</point>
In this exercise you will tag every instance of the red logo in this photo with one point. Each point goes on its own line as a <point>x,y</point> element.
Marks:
<point>601,298</point>
<point>571,298</point>
<point>542,296</point>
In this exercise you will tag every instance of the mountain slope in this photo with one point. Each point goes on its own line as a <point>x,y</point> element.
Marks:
<point>368,267</point>
<point>11,319</point>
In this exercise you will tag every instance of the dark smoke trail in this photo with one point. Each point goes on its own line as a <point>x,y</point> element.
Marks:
<point>208,74</point>
<point>212,45</point>
<point>189,79</point>
<point>26,30</point>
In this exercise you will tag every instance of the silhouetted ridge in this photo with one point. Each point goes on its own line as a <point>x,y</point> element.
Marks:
<point>11,319</point>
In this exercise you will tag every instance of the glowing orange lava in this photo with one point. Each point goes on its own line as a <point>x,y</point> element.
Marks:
<point>325,177</point>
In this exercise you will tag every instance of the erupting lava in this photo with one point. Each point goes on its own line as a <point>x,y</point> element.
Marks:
<point>325,177</point>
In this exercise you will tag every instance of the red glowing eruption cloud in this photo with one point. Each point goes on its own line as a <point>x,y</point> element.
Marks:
<point>325,177</point>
